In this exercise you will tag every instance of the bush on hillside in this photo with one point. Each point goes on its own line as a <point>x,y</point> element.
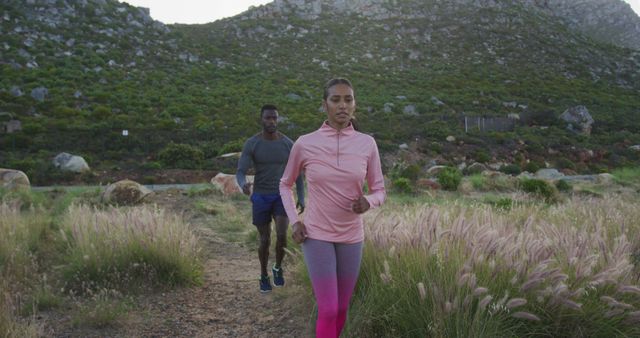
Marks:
<point>231,147</point>
<point>482,156</point>
<point>511,169</point>
<point>565,163</point>
<point>532,167</point>
<point>411,172</point>
<point>563,186</point>
<point>402,185</point>
<point>181,156</point>
<point>540,188</point>
<point>450,178</point>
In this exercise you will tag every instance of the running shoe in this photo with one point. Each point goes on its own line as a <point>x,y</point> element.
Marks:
<point>278,276</point>
<point>265,284</point>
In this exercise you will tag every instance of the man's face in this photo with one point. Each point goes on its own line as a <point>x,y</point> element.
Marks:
<point>270,120</point>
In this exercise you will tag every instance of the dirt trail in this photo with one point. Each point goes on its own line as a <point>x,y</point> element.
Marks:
<point>228,304</point>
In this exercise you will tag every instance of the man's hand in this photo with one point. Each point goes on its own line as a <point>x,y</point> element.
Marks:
<point>300,207</point>
<point>299,232</point>
<point>246,188</point>
<point>360,205</point>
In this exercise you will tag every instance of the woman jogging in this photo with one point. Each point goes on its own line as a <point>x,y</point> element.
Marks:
<point>336,160</point>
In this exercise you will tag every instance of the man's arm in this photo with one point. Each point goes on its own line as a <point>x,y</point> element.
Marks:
<point>244,163</point>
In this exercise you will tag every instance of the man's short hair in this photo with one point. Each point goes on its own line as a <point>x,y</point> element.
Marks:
<point>267,107</point>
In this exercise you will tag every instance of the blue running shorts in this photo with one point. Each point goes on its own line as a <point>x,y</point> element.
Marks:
<point>266,207</point>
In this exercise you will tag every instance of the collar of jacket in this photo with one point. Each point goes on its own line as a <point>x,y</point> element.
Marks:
<point>329,130</point>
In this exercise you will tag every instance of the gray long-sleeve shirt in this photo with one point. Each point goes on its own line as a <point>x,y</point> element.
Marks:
<point>269,158</point>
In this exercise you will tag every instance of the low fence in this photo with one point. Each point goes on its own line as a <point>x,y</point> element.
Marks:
<point>485,124</point>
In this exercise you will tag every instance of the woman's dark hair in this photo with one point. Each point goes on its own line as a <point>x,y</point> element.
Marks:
<point>337,81</point>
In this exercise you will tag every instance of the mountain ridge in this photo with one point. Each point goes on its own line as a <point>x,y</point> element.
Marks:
<point>609,21</point>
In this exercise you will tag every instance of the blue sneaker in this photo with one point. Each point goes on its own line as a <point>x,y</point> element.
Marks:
<point>265,284</point>
<point>278,276</point>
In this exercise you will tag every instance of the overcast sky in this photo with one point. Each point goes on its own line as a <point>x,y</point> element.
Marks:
<point>203,11</point>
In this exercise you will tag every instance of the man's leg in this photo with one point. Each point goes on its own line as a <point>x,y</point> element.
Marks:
<point>282,224</point>
<point>264,232</point>
<point>262,221</point>
<point>281,243</point>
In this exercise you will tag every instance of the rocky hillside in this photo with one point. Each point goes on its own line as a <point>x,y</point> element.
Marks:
<point>76,73</point>
<point>610,21</point>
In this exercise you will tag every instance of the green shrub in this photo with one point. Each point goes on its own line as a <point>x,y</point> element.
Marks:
<point>411,172</point>
<point>402,185</point>
<point>540,188</point>
<point>482,156</point>
<point>532,167</point>
<point>502,203</point>
<point>565,163</point>
<point>450,178</point>
<point>232,147</point>
<point>511,169</point>
<point>152,165</point>
<point>563,186</point>
<point>478,181</point>
<point>183,156</point>
<point>397,170</point>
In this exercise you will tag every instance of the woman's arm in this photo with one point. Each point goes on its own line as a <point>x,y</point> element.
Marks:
<point>291,173</point>
<point>375,179</point>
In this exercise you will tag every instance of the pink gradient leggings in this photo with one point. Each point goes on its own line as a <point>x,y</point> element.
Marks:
<point>333,269</point>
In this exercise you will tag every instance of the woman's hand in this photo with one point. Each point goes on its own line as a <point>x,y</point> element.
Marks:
<point>360,206</point>
<point>299,232</point>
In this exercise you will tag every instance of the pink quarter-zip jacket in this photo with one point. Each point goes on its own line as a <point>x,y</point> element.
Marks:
<point>336,165</point>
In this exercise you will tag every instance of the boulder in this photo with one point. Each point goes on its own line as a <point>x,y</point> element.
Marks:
<point>549,174</point>
<point>293,97</point>
<point>39,94</point>
<point>435,170</point>
<point>227,183</point>
<point>68,162</point>
<point>578,119</point>
<point>13,179</point>
<point>125,192</point>
<point>476,168</point>
<point>410,110</point>
<point>16,91</point>
<point>606,179</point>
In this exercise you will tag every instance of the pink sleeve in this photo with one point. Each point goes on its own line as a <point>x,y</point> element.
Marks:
<point>375,180</point>
<point>291,172</point>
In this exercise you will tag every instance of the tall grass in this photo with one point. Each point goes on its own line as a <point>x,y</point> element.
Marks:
<point>454,271</point>
<point>117,247</point>
<point>21,236</point>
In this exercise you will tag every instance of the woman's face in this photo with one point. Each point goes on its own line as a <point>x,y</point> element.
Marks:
<point>339,105</point>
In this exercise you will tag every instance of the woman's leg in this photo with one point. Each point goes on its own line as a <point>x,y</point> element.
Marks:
<point>348,258</point>
<point>320,258</point>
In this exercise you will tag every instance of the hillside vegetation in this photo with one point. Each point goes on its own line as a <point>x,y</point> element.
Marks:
<point>78,73</point>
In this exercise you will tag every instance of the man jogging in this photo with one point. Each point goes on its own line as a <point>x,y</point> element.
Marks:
<point>268,152</point>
